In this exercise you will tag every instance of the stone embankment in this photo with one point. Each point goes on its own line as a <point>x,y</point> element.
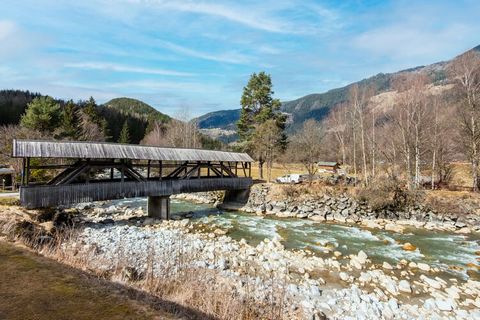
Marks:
<point>345,209</point>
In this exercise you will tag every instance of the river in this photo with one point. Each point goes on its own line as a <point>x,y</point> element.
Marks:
<point>449,252</point>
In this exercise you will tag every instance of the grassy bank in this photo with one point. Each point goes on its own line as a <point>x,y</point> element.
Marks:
<point>34,287</point>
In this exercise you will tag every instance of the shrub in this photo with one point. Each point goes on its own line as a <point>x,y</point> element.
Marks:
<point>388,195</point>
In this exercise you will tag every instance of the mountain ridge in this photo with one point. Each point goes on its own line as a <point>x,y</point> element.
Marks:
<point>136,108</point>
<point>318,105</point>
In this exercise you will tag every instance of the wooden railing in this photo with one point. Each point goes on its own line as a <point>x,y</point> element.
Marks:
<point>42,196</point>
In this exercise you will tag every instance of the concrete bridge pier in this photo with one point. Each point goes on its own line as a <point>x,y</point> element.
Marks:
<point>235,199</point>
<point>159,207</point>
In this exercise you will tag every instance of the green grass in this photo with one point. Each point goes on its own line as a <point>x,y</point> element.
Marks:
<point>34,287</point>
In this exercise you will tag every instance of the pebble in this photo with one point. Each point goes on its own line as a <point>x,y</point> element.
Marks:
<point>423,266</point>
<point>387,265</point>
<point>344,276</point>
<point>444,305</point>
<point>404,286</point>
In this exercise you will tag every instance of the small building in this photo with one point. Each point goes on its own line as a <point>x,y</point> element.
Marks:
<point>328,167</point>
<point>7,178</point>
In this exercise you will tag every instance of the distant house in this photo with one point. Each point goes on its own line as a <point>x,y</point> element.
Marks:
<point>328,167</point>
<point>7,178</point>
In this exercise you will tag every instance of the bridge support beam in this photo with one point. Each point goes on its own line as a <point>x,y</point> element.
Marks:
<point>159,207</point>
<point>235,199</point>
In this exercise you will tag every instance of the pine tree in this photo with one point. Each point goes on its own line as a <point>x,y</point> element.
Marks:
<point>258,107</point>
<point>42,114</point>
<point>70,121</point>
<point>91,111</point>
<point>124,134</point>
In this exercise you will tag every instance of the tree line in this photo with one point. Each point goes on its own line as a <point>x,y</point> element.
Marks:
<point>410,134</point>
<point>415,135</point>
<point>49,119</point>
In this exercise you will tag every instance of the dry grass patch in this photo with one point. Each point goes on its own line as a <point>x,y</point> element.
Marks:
<point>33,287</point>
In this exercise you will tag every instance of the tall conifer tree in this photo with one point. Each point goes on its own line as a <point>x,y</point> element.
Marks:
<point>258,107</point>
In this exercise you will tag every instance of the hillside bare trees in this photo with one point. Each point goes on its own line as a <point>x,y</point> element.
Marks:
<point>175,133</point>
<point>466,72</point>
<point>307,146</point>
<point>409,136</point>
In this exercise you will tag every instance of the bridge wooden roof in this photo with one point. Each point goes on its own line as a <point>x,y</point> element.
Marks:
<point>104,150</point>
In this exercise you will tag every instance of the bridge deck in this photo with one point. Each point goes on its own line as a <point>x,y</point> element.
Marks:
<point>41,196</point>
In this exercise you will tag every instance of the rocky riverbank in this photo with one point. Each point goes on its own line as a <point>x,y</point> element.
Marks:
<point>305,285</point>
<point>119,240</point>
<point>345,209</point>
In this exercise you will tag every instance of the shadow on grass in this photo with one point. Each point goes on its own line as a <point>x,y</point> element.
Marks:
<point>35,287</point>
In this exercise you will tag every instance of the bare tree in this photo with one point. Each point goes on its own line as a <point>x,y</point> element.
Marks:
<point>409,116</point>
<point>466,72</point>
<point>181,133</point>
<point>89,130</point>
<point>306,146</point>
<point>359,97</point>
<point>441,142</point>
<point>337,124</point>
<point>10,132</point>
<point>265,143</point>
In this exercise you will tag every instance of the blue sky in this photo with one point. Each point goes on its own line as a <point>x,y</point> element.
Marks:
<point>199,55</point>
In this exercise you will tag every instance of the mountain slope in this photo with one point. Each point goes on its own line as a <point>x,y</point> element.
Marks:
<point>318,105</point>
<point>136,108</point>
<point>224,119</point>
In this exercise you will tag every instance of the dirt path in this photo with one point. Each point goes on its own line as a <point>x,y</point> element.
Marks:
<point>34,287</point>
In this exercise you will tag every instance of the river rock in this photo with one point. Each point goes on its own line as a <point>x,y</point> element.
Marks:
<point>218,232</point>
<point>453,292</point>
<point>390,285</point>
<point>431,282</point>
<point>365,277</point>
<point>387,265</point>
<point>423,266</point>
<point>394,227</point>
<point>444,305</point>
<point>343,276</point>
<point>409,247</point>
<point>404,286</point>
<point>362,257</point>
<point>302,215</point>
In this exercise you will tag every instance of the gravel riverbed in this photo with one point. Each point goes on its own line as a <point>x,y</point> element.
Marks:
<point>309,286</point>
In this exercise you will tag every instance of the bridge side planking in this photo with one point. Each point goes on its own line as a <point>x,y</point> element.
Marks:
<point>42,196</point>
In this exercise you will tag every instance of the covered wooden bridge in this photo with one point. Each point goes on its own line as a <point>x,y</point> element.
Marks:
<point>90,171</point>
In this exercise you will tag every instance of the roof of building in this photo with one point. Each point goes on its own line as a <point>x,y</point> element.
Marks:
<point>327,163</point>
<point>4,171</point>
<point>104,150</point>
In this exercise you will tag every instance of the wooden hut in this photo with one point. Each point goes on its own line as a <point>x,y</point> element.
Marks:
<point>7,178</point>
<point>328,167</point>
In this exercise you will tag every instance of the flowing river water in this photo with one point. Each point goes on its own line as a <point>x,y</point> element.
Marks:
<point>452,253</point>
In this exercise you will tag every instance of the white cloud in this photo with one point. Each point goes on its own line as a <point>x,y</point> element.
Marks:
<point>154,85</point>
<point>7,29</point>
<point>246,16</point>
<point>419,33</point>
<point>404,41</point>
<point>13,40</point>
<point>125,68</point>
<point>230,57</point>
<point>262,15</point>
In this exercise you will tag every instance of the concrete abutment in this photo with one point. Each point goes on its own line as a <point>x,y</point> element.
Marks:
<point>159,207</point>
